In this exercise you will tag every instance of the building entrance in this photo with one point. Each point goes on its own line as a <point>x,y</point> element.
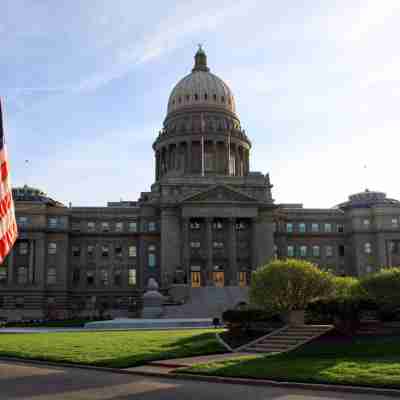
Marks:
<point>219,278</point>
<point>196,279</point>
<point>242,278</point>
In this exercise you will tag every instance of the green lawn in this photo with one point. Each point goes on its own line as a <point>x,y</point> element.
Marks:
<point>371,362</point>
<point>111,349</point>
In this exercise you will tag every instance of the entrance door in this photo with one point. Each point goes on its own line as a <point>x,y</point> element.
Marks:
<point>242,278</point>
<point>219,278</point>
<point>196,279</point>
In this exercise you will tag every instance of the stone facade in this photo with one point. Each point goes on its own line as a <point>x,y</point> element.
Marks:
<point>207,221</point>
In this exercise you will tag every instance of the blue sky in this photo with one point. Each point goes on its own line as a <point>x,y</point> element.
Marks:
<point>316,83</point>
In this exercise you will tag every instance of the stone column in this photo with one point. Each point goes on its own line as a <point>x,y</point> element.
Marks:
<point>157,165</point>
<point>263,238</point>
<point>31,267</point>
<point>214,144</point>
<point>188,166</point>
<point>233,271</point>
<point>10,267</point>
<point>226,157</point>
<point>237,160</point>
<point>209,252</point>
<point>186,248</point>
<point>247,161</point>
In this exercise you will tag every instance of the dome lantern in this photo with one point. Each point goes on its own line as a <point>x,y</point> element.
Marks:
<point>200,61</point>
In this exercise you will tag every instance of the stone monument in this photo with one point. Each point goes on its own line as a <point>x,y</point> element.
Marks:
<point>153,301</point>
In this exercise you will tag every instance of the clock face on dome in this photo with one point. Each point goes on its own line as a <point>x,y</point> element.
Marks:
<point>201,88</point>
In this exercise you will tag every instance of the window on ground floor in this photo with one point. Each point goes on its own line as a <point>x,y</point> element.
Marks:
<point>132,277</point>
<point>290,251</point>
<point>51,275</point>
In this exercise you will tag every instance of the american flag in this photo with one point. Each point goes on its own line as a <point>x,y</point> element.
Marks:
<point>8,225</point>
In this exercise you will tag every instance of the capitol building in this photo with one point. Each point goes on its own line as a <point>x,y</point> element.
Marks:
<point>205,224</point>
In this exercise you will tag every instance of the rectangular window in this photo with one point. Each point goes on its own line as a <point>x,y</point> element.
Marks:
<point>91,226</point>
<point>152,260</point>
<point>208,161</point>
<point>241,226</point>
<point>131,277</point>
<point>105,250</point>
<point>51,275</point>
<point>303,251</point>
<point>195,245</point>
<point>132,226</point>
<point>132,251</point>
<point>302,227</point>
<point>3,275</point>
<point>315,251</point>
<point>314,227</point>
<point>52,222</point>
<point>118,251</point>
<point>22,221</point>
<point>52,248</point>
<point>152,226</point>
<point>290,251</point>
<point>395,222</point>
<point>23,248</point>
<point>104,277</point>
<point>341,250</point>
<point>340,228</point>
<point>76,251</point>
<point>105,227</point>
<point>119,226</point>
<point>76,226</point>
<point>289,227</point>
<point>218,245</point>
<point>90,278</point>
<point>22,275</point>
<point>366,223</point>
<point>90,250</point>
<point>328,227</point>
<point>76,276</point>
<point>117,277</point>
<point>19,302</point>
<point>329,251</point>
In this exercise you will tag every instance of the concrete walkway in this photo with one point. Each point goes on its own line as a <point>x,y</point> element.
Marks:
<point>21,381</point>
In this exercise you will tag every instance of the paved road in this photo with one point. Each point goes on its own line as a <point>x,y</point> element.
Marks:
<point>24,381</point>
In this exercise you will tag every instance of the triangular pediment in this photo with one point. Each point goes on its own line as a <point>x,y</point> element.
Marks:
<point>220,194</point>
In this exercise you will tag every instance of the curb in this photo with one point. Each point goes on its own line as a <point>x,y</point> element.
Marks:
<point>218,379</point>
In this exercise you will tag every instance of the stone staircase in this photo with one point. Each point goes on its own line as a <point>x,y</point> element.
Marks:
<point>207,302</point>
<point>286,339</point>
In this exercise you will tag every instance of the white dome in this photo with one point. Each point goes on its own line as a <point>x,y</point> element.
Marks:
<point>201,88</point>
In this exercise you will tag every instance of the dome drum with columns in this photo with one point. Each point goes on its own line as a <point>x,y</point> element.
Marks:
<point>202,131</point>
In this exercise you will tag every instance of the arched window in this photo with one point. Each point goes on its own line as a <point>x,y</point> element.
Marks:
<point>187,97</point>
<point>205,96</point>
<point>215,97</point>
<point>196,96</point>
<point>222,99</point>
<point>179,100</point>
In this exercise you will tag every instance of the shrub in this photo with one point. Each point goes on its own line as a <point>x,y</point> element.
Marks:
<point>286,285</point>
<point>344,312</point>
<point>383,286</point>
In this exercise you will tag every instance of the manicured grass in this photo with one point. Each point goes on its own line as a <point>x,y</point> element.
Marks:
<point>111,349</point>
<point>365,361</point>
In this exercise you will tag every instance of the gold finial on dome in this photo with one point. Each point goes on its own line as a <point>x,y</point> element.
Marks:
<point>200,60</point>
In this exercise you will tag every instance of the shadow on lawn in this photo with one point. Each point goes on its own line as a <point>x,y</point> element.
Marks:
<point>202,344</point>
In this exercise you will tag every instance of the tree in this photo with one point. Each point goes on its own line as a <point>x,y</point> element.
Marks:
<point>347,287</point>
<point>288,285</point>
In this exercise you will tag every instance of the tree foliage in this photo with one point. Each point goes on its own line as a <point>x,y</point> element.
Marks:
<point>345,287</point>
<point>286,285</point>
<point>383,286</point>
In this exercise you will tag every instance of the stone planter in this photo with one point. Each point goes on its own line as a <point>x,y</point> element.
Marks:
<point>295,317</point>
